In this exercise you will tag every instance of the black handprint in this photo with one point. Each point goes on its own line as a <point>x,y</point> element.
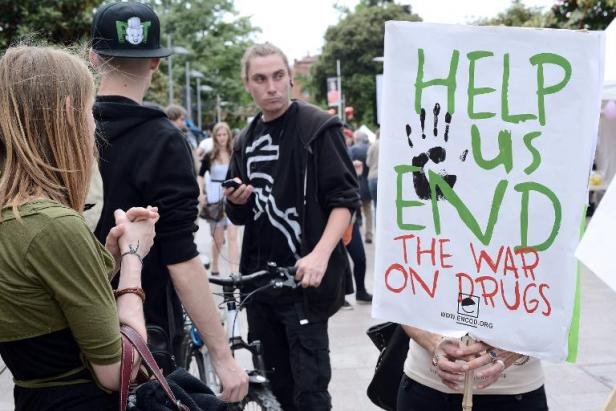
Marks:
<point>436,154</point>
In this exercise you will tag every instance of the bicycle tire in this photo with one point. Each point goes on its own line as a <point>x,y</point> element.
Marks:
<point>258,398</point>
<point>193,358</point>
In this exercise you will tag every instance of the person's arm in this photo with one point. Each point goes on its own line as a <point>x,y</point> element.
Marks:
<point>134,229</point>
<point>190,281</point>
<point>202,192</point>
<point>239,201</point>
<point>68,260</point>
<point>453,358</point>
<point>339,193</point>
<point>170,184</point>
<point>205,166</point>
<point>311,268</point>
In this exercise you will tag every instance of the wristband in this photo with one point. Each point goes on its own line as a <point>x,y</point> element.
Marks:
<point>522,360</point>
<point>133,251</point>
<point>134,290</point>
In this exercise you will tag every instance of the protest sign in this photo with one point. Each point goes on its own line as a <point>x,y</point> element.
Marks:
<point>596,248</point>
<point>485,153</point>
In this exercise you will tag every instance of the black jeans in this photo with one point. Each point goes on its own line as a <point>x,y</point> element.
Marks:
<point>413,396</point>
<point>358,256</point>
<point>296,354</point>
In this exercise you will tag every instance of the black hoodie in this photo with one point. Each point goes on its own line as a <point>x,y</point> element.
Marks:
<point>327,179</point>
<point>145,160</point>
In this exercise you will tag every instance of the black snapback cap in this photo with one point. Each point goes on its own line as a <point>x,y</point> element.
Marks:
<point>127,29</point>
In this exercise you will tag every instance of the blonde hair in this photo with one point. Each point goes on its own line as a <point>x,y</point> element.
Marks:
<point>261,50</point>
<point>216,147</point>
<point>45,146</point>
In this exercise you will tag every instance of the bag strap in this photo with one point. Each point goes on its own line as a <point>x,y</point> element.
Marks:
<point>126,367</point>
<point>133,339</point>
<point>170,317</point>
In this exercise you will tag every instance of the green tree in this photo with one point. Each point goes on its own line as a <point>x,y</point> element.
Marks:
<point>216,38</point>
<point>582,14</point>
<point>517,15</point>
<point>356,40</point>
<point>565,14</point>
<point>55,21</point>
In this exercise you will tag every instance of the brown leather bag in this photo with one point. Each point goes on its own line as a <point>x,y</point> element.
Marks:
<point>131,339</point>
<point>213,211</point>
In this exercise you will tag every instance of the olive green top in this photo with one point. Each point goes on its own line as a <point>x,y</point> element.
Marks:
<point>53,276</point>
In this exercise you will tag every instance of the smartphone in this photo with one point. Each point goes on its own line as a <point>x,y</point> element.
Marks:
<point>231,183</point>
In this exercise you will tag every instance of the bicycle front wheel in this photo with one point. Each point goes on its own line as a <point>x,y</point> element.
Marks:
<point>258,398</point>
<point>193,362</point>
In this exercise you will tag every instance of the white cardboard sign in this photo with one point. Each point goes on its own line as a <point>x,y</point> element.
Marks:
<point>483,170</point>
<point>596,250</point>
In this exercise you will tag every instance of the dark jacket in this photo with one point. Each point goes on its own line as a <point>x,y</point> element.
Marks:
<point>145,160</point>
<point>311,125</point>
<point>359,151</point>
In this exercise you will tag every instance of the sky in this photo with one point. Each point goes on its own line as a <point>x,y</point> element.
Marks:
<point>298,26</point>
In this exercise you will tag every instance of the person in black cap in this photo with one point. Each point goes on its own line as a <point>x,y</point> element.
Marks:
<point>144,159</point>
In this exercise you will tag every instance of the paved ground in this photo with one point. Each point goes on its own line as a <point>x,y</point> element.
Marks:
<point>570,387</point>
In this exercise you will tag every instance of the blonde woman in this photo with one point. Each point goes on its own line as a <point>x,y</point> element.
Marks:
<point>59,328</point>
<point>217,163</point>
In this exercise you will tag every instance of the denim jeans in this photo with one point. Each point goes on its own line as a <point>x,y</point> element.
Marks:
<point>372,185</point>
<point>413,396</point>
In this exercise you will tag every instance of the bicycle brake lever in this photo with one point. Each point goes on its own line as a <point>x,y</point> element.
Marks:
<point>288,282</point>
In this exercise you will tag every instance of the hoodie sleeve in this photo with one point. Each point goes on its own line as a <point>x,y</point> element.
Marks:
<point>238,214</point>
<point>168,181</point>
<point>337,182</point>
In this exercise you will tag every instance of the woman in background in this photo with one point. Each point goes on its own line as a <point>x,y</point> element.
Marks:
<point>216,162</point>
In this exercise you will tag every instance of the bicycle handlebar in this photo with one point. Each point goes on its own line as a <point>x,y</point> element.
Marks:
<point>279,276</point>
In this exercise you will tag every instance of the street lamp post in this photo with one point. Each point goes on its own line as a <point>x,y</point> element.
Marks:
<point>181,51</point>
<point>204,88</point>
<point>339,77</point>
<point>188,102</point>
<point>198,75</point>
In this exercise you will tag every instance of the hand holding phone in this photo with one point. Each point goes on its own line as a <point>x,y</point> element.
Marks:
<point>231,183</point>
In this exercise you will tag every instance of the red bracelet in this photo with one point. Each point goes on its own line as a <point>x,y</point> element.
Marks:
<point>135,290</point>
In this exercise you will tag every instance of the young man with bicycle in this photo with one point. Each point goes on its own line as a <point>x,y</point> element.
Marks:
<point>145,160</point>
<point>297,194</point>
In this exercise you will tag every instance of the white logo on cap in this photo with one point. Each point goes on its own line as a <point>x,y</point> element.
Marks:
<point>134,31</point>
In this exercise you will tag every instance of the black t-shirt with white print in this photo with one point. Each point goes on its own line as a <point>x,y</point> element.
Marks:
<point>275,232</point>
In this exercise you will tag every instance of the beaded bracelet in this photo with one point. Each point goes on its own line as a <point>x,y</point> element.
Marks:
<point>522,360</point>
<point>134,290</point>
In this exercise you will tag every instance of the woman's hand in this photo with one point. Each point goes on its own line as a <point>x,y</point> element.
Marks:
<point>136,226</point>
<point>495,359</point>
<point>134,214</point>
<point>445,356</point>
<point>139,229</point>
<point>202,200</point>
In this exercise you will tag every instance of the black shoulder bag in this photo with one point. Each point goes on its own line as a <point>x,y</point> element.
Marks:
<point>160,341</point>
<point>393,343</point>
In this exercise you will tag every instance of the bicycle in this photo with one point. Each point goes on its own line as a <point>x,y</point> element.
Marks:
<point>196,357</point>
